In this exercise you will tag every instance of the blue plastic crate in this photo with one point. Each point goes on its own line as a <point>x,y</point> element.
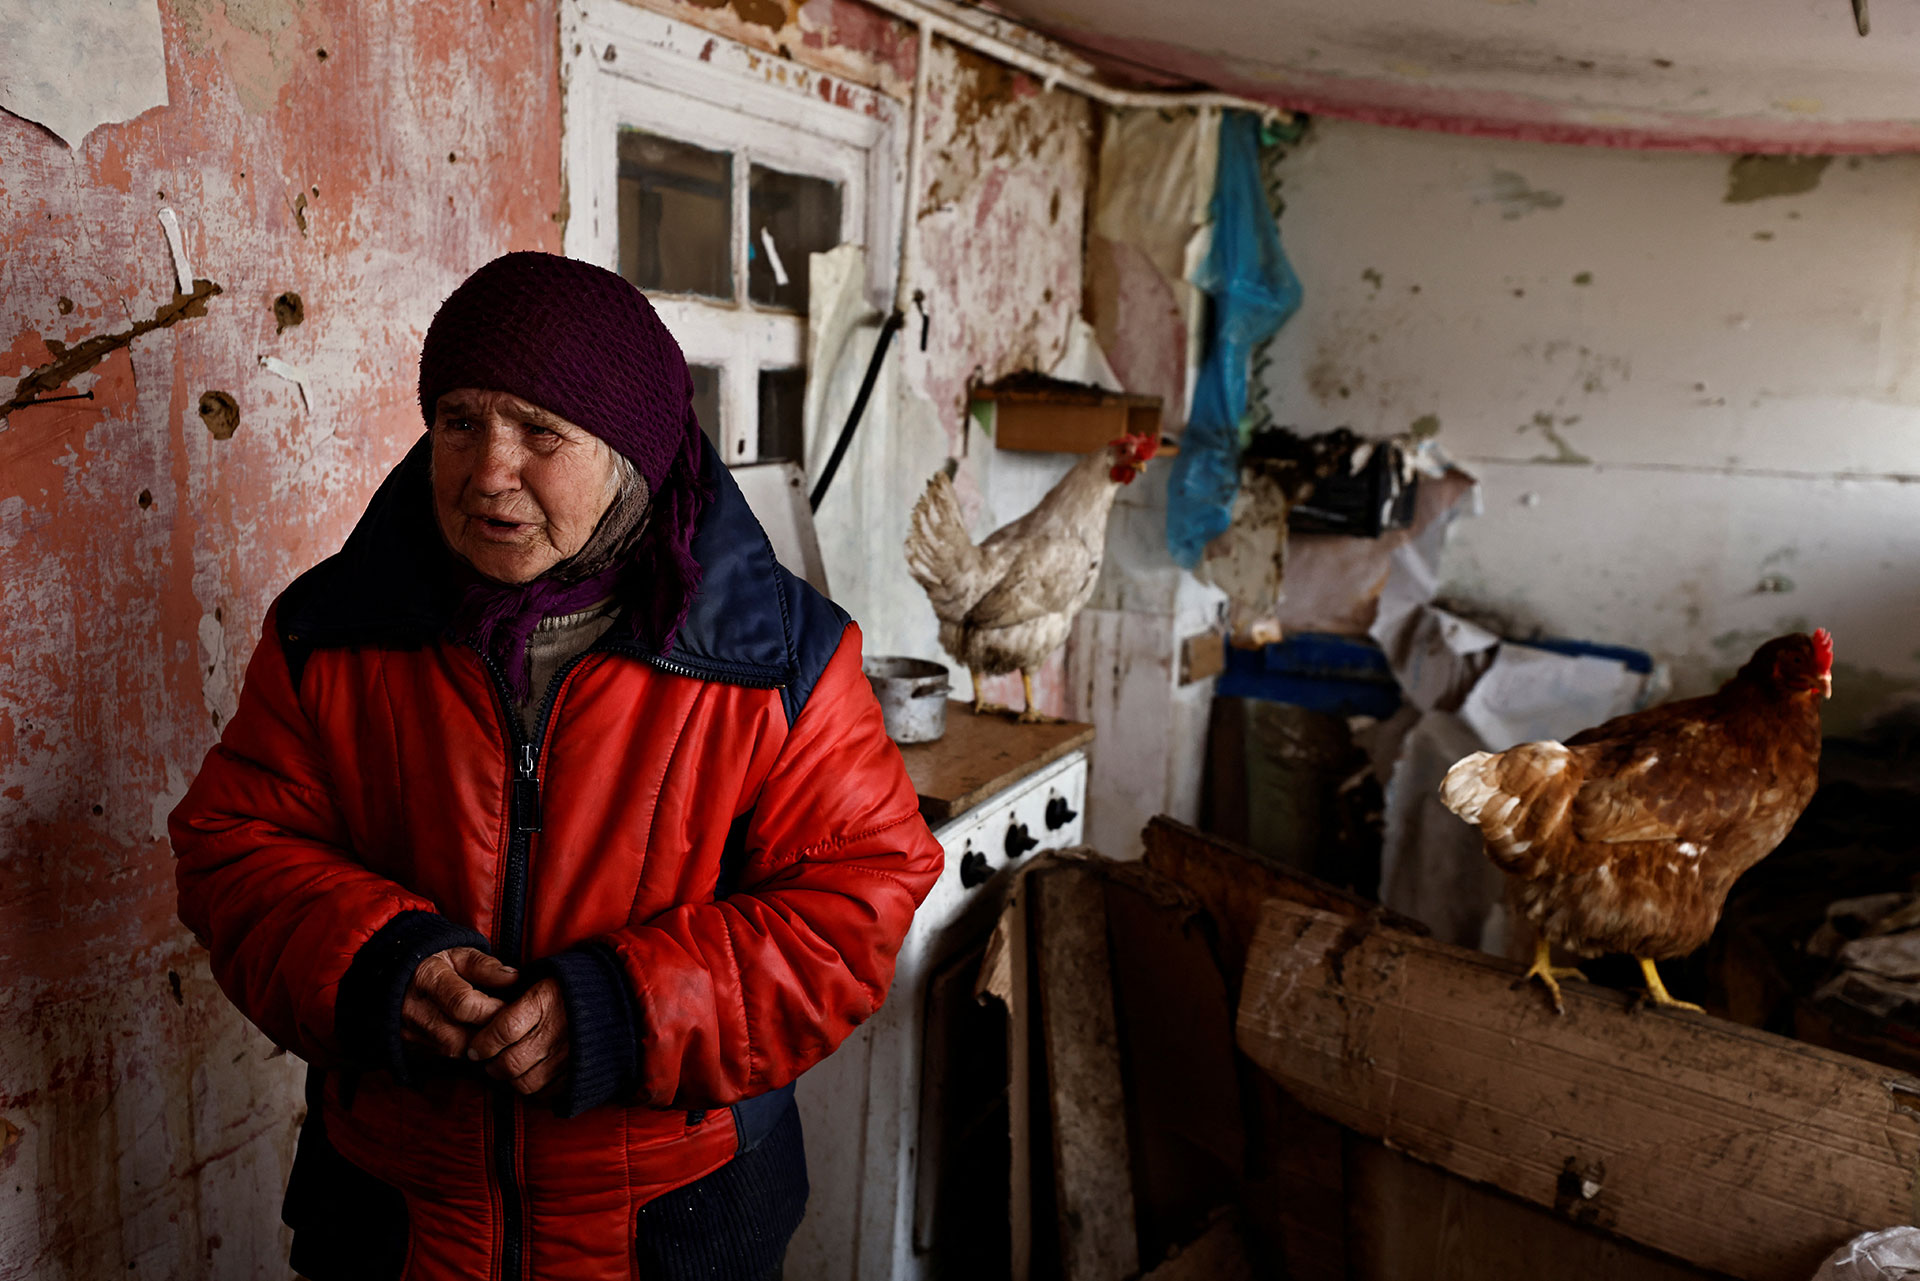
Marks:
<point>1338,675</point>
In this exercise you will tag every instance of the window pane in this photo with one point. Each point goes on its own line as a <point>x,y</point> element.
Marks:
<point>676,216</point>
<point>706,402</point>
<point>800,216</point>
<point>783,394</point>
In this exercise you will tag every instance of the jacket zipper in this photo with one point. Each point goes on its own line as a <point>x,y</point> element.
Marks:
<point>523,813</point>
<point>674,667</point>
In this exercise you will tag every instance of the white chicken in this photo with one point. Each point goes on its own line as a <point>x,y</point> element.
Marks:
<point>1006,604</point>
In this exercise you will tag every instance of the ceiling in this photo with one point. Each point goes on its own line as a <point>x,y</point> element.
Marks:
<point>1718,75</point>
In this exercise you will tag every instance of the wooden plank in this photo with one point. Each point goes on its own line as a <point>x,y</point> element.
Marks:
<point>1086,1093</point>
<point>1177,1019</point>
<point>1026,389</point>
<point>1405,1219</point>
<point>1220,1254</point>
<point>1003,975</point>
<point>1075,429</point>
<point>1730,1148</point>
<point>1057,429</point>
<point>1234,883</point>
<point>1202,655</point>
<point>1295,1196</point>
<point>1050,416</point>
<point>979,755</point>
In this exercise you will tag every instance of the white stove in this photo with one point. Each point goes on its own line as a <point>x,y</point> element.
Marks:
<point>869,1217</point>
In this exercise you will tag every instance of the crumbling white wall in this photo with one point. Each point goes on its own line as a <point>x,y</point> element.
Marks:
<point>1687,382</point>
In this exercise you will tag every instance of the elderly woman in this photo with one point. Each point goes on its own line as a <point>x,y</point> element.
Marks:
<point>556,829</point>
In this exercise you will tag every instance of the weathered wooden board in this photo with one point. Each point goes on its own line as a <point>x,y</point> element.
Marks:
<point>1176,1033</point>
<point>1727,1147</point>
<point>1219,1255</point>
<point>1093,1174</point>
<point>1405,1219</point>
<point>1234,883</point>
<point>979,755</point>
<point>1004,976</point>
<point>1059,417</point>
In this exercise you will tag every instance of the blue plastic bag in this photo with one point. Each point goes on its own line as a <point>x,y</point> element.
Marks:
<point>1251,290</point>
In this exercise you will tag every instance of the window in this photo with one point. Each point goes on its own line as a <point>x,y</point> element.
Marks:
<point>676,216</point>
<point>706,173</point>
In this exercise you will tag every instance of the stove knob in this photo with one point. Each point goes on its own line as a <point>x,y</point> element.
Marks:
<point>973,869</point>
<point>1059,813</point>
<point>1018,842</point>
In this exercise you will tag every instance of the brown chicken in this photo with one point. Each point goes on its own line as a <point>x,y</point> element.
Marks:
<point>1005,605</point>
<point>1627,837</point>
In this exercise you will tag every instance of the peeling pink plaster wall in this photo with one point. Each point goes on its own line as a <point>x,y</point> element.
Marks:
<point>145,1129</point>
<point>841,38</point>
<point>1002,216</point>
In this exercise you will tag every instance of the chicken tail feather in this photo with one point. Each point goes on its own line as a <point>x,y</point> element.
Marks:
<point>1512,796</point>
<point>940,553</point>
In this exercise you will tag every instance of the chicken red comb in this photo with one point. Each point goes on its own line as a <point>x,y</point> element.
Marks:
<point>1135,449</point>
<point>1823,648</point>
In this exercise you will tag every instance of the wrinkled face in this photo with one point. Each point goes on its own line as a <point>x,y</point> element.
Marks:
<point>1129,455</point>
<point>1805,663</point>
<point>516,489</point>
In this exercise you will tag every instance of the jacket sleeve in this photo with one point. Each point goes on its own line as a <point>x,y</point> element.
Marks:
<point>738,996</point>
<point>269,883</point>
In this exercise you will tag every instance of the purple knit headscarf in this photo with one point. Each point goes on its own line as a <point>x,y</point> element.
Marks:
<point>581,342</point>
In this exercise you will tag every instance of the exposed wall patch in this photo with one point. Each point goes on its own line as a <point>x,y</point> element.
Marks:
<point>771,14</point>
<point>221,413</point>
<point>1752,178</point>
<point>68,362</point>
<point>1564,452</point>
<point>1514,196</point>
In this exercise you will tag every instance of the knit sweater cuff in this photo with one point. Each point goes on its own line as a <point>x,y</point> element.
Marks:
<point>366,1015</point>
<point>603,1027</point>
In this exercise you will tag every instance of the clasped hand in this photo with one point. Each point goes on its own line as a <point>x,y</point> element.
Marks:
<point>521,1042</point>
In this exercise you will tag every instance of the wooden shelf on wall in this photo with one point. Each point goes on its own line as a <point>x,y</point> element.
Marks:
<point>1037,414</point>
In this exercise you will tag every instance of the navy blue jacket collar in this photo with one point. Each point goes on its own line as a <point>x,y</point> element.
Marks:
<point>392,583</point>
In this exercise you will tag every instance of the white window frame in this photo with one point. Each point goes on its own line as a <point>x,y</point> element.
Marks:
<point>625,67</point>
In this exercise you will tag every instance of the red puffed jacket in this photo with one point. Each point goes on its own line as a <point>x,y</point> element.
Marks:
<point>715,849</point>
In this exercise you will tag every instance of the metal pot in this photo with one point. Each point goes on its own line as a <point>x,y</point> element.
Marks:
<point>913,697</point>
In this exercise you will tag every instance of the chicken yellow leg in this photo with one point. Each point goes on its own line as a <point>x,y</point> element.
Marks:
<point>1547,972</point>
<point>981,706</point>
<point>1030,715</point>
<point>1657,991</point>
